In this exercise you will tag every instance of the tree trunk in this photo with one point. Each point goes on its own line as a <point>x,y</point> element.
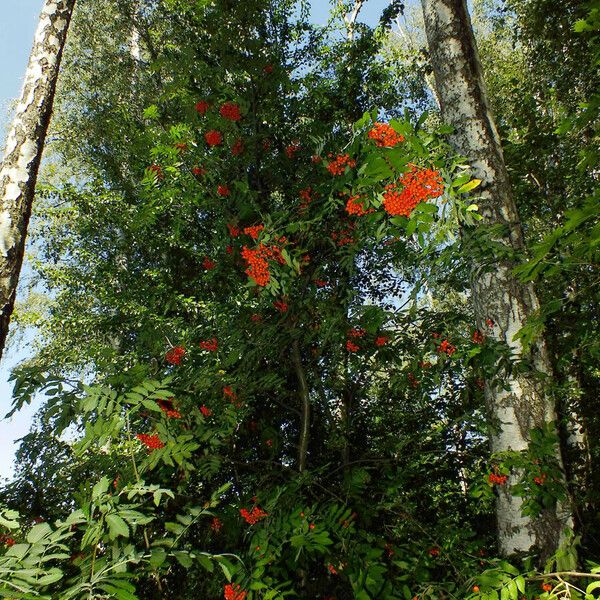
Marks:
<point>24,146</point>
<point>497,295</point>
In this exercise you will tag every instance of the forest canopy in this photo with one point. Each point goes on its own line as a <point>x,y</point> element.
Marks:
<point>313,304</point>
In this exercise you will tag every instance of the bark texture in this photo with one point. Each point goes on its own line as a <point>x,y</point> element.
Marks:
<point>497,295</point>
<point>24,145</point>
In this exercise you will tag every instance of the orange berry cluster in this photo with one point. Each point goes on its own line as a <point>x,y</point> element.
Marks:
<point>384,136</point>
<point>168,407</point>
<point>355,206</point>
<point>257,260</point>
<point>338,165</point>
<point>254,231</point>
<point>414,187</point>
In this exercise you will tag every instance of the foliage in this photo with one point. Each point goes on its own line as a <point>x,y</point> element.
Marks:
<point>260,278</point>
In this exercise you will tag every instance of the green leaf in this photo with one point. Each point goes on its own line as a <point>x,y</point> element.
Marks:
<point>38,532</point>
<point>151,112</point>
<point>206,563</point>
<point>117,526</point>
<point>467,187</point>
<point>100,488</point>
<point>157,557</point>
<point>183,558</point>
<point>52,576</point>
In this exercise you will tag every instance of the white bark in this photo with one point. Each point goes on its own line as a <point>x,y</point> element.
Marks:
<point>350,18</point>
<point>24,145</point>
<point>497,295</point>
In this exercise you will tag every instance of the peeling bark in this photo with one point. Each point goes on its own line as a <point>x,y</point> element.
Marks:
<point>24,146</point>
<point>497,295</point>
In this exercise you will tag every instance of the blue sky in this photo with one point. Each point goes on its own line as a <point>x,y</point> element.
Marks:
<point>18,21</point>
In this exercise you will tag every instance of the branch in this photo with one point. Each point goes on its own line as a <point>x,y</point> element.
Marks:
<point>350,19</point>
<point>305,401</point>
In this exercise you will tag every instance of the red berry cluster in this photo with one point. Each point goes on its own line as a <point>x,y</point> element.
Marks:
<point>478,337</point>
<point>157,171</point>
<point>152,442</point>
<point>446,347</point>
<point>213,137</point>
<point>496,479</point>
<point>238,147</point>
<point>234,230</point>
<point>7,540</point>
<point>234,592</point>
<point>202,107</point>
<point>208,264</point>
<point>351,346</point>
<point>384,136</point>
<point>230,111</point>
<point>281,306</point>
<point>175,355</point>
<point>292,149</point>
<point>344,236</point>
<point>228,391</point>
<point>305,198</point>
<point>254,516</point>
<point>210,345</point>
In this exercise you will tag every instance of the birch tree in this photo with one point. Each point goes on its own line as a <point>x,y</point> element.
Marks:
<point>499,299</point>
<point>24,146</point>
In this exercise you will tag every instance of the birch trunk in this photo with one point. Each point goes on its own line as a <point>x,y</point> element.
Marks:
<point>24,145</point>
<point>497,295</point>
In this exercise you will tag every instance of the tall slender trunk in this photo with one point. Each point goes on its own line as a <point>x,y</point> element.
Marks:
<point>497,295</point>
<point>24,146</point>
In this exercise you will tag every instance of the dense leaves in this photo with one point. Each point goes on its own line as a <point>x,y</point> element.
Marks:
<point>253,260</point>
